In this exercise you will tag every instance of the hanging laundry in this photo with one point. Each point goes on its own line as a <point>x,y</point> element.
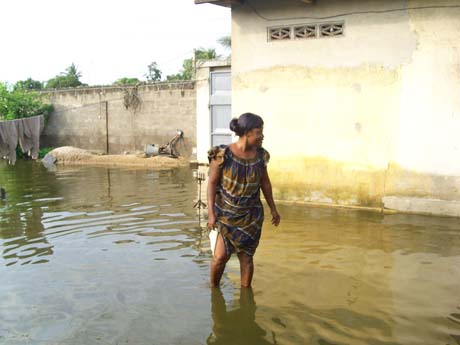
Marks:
<point>24,131</point>
<point>29,130</point>
<point>8,140</point>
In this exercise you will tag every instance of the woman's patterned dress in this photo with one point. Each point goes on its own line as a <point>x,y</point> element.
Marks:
<point>238,208</point>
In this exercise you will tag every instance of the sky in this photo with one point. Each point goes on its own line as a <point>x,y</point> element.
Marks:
<point>106,40</point>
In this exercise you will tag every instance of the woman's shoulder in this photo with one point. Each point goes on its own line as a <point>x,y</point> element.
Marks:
<point>217,153</point>
<point>262,150</point>
<point>264,154</point>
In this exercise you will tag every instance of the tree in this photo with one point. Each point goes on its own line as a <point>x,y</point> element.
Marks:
<point>69,78</point>
<point>205,54</point>
<point>16,104</point>
<point>188,72</point>
<point>154,73</point>
<point>28,84</point>
<point>126,81</point>
<point>71,71</point>
<point>225,41</point>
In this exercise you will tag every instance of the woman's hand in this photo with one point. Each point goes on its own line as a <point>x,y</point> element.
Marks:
<point>276,218</point>
<point>212,221</point>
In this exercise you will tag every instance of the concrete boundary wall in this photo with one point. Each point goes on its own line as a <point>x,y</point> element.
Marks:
<point>118,119</point>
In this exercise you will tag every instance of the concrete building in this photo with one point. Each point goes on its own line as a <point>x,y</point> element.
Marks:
<point>361,99</point>
<point>213,105</point>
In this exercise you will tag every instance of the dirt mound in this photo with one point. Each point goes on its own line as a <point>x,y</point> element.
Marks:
<point>68,155</point>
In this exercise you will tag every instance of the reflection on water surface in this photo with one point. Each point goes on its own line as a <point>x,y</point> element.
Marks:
<point>117,256</point>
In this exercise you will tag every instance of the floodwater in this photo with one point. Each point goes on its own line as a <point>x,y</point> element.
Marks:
<point>117,256</point>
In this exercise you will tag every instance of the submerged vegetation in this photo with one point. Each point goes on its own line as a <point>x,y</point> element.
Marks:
<point>41,153</point>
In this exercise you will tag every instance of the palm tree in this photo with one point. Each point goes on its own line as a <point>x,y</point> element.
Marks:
<point>72,71</point>
<point>225,41</point>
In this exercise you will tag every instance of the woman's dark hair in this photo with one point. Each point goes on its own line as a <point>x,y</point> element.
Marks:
<point>245,123</point>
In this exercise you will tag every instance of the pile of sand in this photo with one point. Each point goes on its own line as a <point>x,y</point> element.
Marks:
<point>68,155</point>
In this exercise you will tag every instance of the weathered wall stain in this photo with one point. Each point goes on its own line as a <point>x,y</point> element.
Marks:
<point>320,180</point>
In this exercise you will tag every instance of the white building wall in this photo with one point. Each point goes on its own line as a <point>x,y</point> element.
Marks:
<point>363,119</point>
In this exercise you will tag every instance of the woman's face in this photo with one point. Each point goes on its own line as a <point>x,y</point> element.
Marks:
<point>255,137</point>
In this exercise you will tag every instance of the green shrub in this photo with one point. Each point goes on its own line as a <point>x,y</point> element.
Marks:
<point>20,103</point>
<point>41,153</point>
<point>44,151</point>
<point>127,81</point>
<point>28,84</point>
<point>69,78</point>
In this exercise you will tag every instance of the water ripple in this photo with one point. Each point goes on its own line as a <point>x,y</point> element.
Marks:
<point>94,204</point>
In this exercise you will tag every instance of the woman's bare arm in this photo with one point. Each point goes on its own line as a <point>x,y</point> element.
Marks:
<point>213,180</point>
<point>266,187</point>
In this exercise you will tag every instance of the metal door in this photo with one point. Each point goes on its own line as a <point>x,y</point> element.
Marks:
<point>221,107</point>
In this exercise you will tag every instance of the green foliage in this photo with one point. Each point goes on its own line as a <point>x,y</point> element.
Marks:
<point>187,72</point>
<point>20,103</point>
<point>41,153</point>
<point>225,41</point>
<point>205,54</point>
<point>28,84</point>
<point>62,81</point>
<point>174,77</point>
<point>126,81</point>
<point>154,73</point>
<point>19,153</point>
<point>44,151</point>
<point>69,78</point>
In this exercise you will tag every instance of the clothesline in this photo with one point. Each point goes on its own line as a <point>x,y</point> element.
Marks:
<point>22,118</point>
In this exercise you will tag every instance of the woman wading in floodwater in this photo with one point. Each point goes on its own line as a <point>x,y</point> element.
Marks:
<point>237,172</point>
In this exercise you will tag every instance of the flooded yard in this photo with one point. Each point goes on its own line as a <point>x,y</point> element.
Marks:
<point>117,256</point>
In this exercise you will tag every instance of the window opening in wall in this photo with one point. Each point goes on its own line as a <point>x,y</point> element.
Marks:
<point>305,31</point>
<point>331,29</point>
<point>277,34</point>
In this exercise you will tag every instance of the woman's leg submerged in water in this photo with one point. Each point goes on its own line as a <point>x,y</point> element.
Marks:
<point>246,268</point>
<point>218,262</point>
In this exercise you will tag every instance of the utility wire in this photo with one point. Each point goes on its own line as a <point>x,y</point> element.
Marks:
<point>176,58</point>
<point>347,14</point>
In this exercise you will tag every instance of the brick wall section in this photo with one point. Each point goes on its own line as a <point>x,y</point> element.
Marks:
<point>82,117</point>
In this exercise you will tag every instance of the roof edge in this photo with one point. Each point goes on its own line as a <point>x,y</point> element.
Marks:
<point>229,3</point>
<point>225,3</point>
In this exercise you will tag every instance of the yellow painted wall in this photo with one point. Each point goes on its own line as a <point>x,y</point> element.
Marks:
<point>360,119</point>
